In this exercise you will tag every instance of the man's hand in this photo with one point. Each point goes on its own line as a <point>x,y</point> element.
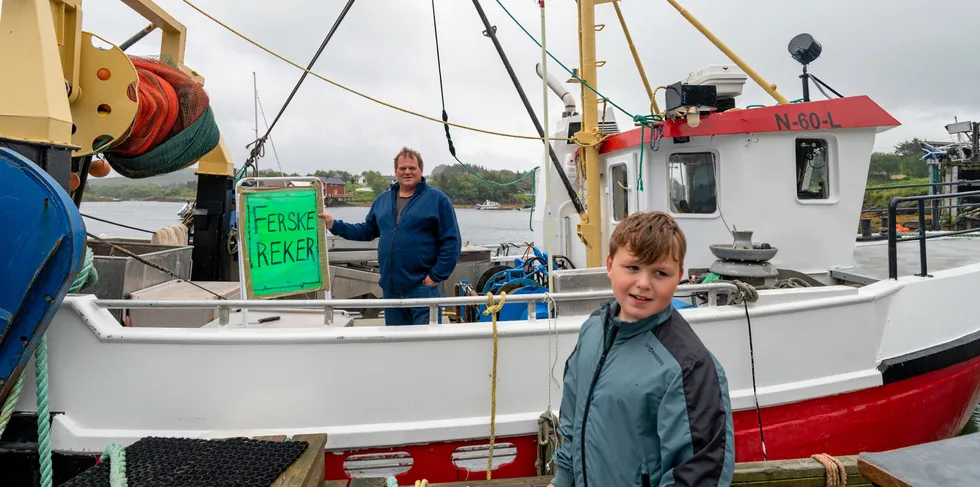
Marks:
<point>429,282</point>
<point>327,220</point>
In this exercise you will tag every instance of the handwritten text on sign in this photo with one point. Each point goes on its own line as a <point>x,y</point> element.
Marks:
<point>284,245</point>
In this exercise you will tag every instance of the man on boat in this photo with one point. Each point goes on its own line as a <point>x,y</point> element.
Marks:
<point>419,238</point>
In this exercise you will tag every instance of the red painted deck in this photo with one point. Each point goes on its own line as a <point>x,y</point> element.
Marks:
<point>925,408</point>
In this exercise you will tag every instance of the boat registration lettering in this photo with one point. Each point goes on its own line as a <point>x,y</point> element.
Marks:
<point>806,121</point>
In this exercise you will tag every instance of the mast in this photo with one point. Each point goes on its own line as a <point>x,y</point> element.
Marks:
<point>589,229</point>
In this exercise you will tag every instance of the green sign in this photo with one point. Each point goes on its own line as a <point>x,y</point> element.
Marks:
<point>284,248</point>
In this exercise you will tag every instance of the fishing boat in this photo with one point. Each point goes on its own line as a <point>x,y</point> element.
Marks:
<point>830,346</point>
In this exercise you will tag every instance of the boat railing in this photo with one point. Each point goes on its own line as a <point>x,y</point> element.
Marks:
<point>934,208</point>
<point>329,305</point>
<point>922,237</point>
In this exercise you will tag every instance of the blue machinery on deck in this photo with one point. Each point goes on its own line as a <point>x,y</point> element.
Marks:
<point>528,275</point>
<point>40,254</point>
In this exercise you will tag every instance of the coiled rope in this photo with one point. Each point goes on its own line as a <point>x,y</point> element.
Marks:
<point>836,474</point>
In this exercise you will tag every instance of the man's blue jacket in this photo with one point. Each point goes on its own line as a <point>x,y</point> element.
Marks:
<point>424,242</point>
<point>651,404</point>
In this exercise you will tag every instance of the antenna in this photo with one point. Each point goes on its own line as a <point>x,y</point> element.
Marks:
<point>255,103</point>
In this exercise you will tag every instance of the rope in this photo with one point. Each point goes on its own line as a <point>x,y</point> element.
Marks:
<point>392,482</point>
<point>155,266</point>
<point>87,276</point>
<point>10,403</point>
<point>492,310</point>
<point>259,144</point>
<point>836,474</point>
<point>445,116</point>
<point>569,71</point>
<point>117,224</point>
<point>43,417</point>
<point>547,443</point>
<point>355,92</point>
<point>116,455</point>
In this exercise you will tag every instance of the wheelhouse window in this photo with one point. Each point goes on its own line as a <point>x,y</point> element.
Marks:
<point>693,188</point>
<point>620,191</point>
<point>812,169</point>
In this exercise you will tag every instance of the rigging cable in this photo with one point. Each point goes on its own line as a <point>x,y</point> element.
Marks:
<point>362,95</point>
<point>572,73</point>
<point>445,115</point>
<point>258,149</point>
<point>118,224</point>
<point>155,266</point>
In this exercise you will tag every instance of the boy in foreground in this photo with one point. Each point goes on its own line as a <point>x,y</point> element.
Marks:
<point>644,402</point>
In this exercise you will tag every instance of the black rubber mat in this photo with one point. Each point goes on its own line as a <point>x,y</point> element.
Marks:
<point>185,462</point>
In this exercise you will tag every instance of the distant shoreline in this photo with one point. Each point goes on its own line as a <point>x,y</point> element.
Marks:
<point>359,204</point>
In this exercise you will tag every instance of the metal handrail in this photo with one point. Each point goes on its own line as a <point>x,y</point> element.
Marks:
<point>893,233</point>
<point>328,305</point>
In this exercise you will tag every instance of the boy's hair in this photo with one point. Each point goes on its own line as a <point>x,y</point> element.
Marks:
<point>410,154</point>
<point>649,236</point>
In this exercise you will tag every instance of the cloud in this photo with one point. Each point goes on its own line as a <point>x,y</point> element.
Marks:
<point>896,52</point>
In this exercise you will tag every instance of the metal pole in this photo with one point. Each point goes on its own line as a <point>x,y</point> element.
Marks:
<point>806,84</point>
<point>976,142</point>
<point>590,230</point>
<point>549,223</point>
<point>491,33</point>
<point>636,58</point>
<point>137,37</point>
<point>892,241</point>
<point>84,166</point>
<point>768,87</point>
<point>922,239</point>
<point>255,103</point>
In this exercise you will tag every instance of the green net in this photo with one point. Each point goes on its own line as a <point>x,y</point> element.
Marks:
<point>173,128</point>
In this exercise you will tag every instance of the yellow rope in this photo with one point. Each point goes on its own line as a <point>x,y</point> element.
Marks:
<point>338,85</point>
<point>492,310</point>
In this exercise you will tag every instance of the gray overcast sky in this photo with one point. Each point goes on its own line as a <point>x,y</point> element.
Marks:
<point>909,58</point>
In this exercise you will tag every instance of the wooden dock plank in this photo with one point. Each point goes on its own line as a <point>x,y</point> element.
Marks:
<point>804,472</point>
<point>797,470</point>
<point>270,438</point>
<point>334,483</point>
<point>307,470</point>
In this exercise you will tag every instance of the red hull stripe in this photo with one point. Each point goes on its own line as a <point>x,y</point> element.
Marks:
<point>836,114</point>
<point>924,408</point>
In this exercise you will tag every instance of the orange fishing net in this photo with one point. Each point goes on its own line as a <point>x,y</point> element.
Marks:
<point>174,125</point>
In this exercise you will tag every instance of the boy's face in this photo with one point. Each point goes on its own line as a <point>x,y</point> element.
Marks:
<point>642,290</point>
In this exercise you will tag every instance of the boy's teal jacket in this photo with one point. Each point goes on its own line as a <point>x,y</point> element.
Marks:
<point>650,402</point>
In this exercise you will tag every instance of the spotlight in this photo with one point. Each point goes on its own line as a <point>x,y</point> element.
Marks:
<point>805,49</point>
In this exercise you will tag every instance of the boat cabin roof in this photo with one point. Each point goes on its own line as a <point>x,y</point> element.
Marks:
<point>824,115</point>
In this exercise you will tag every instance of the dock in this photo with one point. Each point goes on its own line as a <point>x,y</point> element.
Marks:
<point>777,473</point>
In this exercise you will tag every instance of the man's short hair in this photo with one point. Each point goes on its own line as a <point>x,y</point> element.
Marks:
<point>409,153</point>
<point>649,236</point>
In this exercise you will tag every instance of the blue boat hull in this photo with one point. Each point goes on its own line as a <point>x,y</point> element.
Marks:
<point>42,248</point>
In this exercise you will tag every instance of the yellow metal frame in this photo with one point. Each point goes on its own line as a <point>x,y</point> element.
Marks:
<point>43,40</point>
